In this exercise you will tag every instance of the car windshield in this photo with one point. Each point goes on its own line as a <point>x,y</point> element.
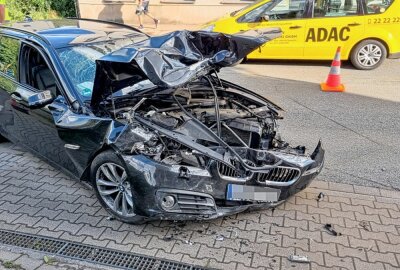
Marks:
<point>245,7</point>
<point>80,62</point>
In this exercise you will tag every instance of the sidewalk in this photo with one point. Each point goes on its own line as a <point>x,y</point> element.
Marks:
<point>150,29</point>
<point>37,199</point>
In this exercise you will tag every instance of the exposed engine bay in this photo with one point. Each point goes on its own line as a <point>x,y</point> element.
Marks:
<point>206,120</point>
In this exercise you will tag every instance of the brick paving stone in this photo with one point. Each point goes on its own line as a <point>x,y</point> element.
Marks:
<point>48,223</point>
<point>263,261</point>
<point>27,263</point>
<point>353,208</point>
<point>326,248</point>
<point>281,230</point>
<point>273,238</point>
<point>185,248</point>
<point>383,228</point>
<point>312,235</point>
<point>367,217</point>
<point>369,244</point>
<point>352,252</point>
<point>239,257</point>
<point>155,243</point>
<point>144,251</point>
<point>116,236</point>
<point>344,262</point>
<point>66,226</point>
<point>382,205</point>
<point>89,240</point>
<point>36,198</point>
<point>363,265</point>
<point>389,258</point>
<point>135,239</point>
<point>330,205</point>
<point>218,265</point>
<point>286,264</point>
<point>343,214</point>
<point>304,244</point>
<point>207,252</point>
<point>90,230</point>
<point>366,235</point>
<point>318,210</point>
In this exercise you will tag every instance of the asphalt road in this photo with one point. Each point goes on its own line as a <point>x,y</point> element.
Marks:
<point>360,128</point>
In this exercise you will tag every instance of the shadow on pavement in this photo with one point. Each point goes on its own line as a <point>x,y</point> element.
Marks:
<point>360,134</point>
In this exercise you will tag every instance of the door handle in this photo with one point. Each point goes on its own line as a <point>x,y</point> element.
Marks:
<point>295,27</point>
<point>353,24</point>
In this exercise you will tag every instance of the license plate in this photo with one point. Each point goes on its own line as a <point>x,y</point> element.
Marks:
<point>252,193</point>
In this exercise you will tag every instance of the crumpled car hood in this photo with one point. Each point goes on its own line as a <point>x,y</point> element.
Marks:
<point>174,59</point>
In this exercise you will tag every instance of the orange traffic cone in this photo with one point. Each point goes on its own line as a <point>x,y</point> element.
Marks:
<point>333,83</point>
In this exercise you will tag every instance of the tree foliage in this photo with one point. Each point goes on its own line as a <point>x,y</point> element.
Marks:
<point>40,9</point>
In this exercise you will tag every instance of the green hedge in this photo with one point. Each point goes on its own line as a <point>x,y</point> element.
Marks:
<point>40,9</point>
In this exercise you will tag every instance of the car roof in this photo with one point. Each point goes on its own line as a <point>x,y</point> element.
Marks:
<point>62,33</point>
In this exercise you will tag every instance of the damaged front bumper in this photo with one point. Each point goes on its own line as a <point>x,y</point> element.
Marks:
<point>186,193</point>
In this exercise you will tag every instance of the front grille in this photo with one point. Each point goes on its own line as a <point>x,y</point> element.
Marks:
<point>195,204</point>
<point>229,173</point>
<point>283,175</point>
<point>93,254</point>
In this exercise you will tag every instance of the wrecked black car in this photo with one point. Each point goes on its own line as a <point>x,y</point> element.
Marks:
<point>146,120</point>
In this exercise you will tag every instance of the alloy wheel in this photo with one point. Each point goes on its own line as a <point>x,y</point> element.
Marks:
<point>115,189</point>
<point>369,55</point>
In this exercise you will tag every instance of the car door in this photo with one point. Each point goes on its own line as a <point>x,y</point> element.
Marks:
<point>35,127</point>
<point>9,55</point>
<point>288,15</point>
<point>334,23</point>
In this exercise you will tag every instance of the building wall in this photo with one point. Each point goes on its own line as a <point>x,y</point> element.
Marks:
<point>168,11</point>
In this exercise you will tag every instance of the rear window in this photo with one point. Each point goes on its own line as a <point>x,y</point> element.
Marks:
<point>9,52</point>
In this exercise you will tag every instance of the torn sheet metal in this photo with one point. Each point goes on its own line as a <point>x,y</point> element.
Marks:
<point>174,59</point>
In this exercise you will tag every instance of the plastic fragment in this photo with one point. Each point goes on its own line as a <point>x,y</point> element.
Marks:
<point>299,259</point>
<point>220,238</point>
<point>331,230</point>
<point>321,196</point>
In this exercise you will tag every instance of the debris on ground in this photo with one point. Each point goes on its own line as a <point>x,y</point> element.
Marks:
<point>11,265</point>
<point>168,238</point>
<point>365,225</point>
<point>189,242</point>
<point>111,218</point>
<point>219,238</point>
<point>331,230</point>
<point>299,259</point>
<point>320,197</point>
<point>48,259</point>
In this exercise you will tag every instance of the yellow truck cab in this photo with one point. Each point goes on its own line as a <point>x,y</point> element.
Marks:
<point>367,30</point>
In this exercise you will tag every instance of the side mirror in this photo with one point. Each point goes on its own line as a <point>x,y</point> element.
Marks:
<point>265,18</point>
<point>39,100</point>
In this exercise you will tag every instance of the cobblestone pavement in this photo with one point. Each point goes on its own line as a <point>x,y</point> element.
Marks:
<point>36,198</point>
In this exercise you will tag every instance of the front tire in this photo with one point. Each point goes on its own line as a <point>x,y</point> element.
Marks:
<point>368,54</point>
<point>113,187</point>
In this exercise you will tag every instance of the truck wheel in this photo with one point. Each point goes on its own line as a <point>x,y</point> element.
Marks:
<point>113,187</point>
<point>369,54</point>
